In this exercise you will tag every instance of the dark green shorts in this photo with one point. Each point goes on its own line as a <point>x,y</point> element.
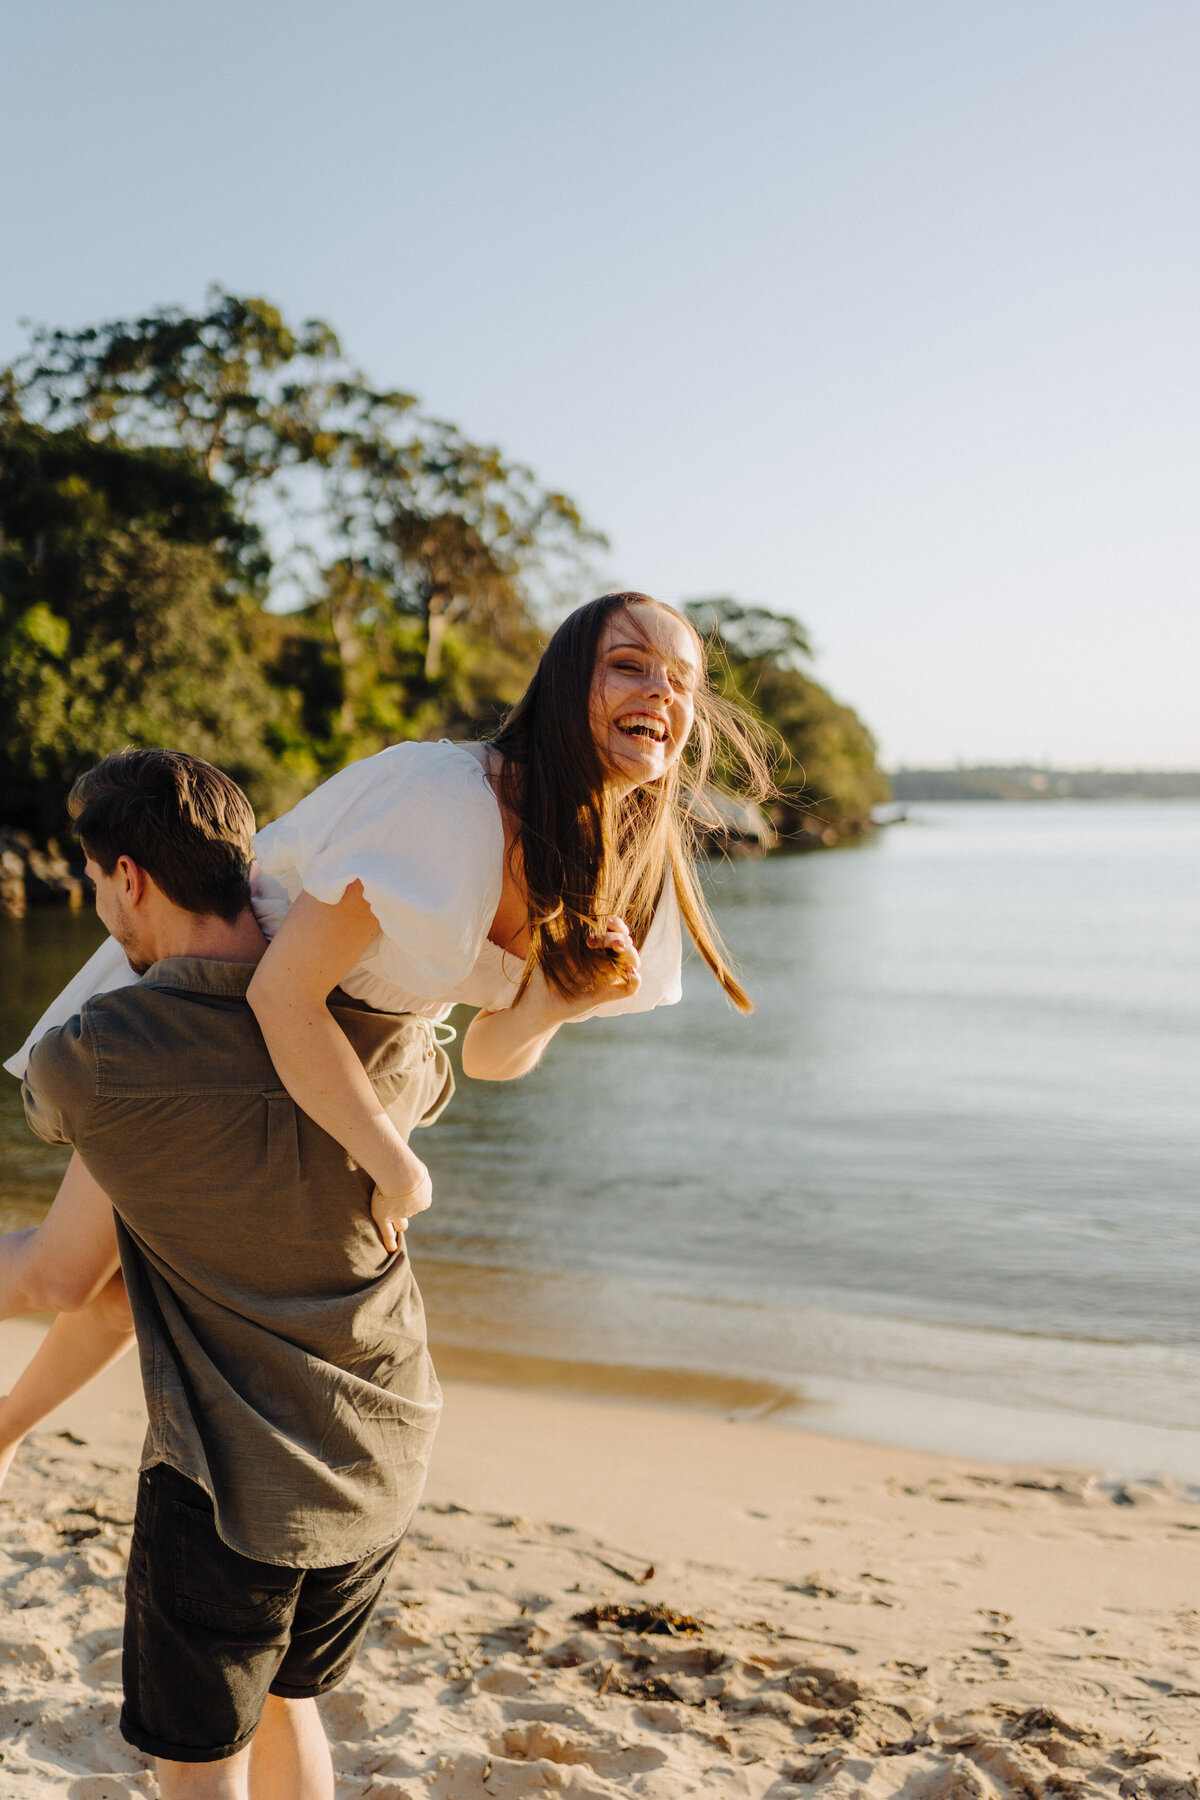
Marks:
<point>209,1633</point>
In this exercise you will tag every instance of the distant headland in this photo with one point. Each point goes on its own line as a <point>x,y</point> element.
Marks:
<point>1026,782</point>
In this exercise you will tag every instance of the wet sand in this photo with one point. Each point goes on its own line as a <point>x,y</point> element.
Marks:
<point>607,1598</point>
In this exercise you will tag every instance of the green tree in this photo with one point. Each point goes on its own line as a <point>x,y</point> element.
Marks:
<point>829,776</point>
<point>372,508</point>
<point>214,531</point>
<point>125,618</point>
<point>235,385</point>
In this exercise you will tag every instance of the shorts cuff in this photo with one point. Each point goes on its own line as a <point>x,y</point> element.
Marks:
<point>312,1690</point>
<point>184,1753</point>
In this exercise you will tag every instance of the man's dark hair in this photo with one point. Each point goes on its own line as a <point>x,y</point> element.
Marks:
<point>187,824</point>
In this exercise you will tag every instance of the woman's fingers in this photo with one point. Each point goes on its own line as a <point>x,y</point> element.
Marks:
<point>391,1225</point>
<point>391,1212</point>
<point>622,977</point>
<point>623,949</point>
<point>624,972</point>
<point>616,938</point>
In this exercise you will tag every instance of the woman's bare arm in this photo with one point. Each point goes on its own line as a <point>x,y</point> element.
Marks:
<point>313,949</point>
<point>502,1046</point>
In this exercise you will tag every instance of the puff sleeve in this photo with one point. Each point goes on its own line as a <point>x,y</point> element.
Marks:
<point>419,827</point>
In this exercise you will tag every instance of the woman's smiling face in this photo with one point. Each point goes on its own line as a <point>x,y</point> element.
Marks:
<point>643,694</point>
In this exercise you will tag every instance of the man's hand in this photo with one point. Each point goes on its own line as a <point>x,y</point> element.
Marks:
<point>391,1212</point>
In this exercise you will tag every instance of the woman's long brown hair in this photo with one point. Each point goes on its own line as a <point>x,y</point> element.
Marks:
<point>582,853</point>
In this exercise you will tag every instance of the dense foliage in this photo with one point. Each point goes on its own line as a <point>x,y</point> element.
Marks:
<point>828,775</point>
<point>214,532</point>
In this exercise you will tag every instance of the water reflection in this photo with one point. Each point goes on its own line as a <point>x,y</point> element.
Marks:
<point>39,955</point>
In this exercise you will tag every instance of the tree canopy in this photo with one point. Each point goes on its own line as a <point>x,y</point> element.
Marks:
<point>216,532</point>
<point>829,778</point>
<point>169,483</point>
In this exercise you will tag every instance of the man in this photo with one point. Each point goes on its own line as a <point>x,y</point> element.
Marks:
<point>291,1399</point>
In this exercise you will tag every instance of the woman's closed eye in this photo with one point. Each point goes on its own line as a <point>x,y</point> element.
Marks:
<point>682,680</point>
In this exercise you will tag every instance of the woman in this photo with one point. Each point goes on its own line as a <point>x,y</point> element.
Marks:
<point>540,877</point>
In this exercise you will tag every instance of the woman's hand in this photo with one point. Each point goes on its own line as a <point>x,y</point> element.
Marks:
<point>618,977</point>
<point>500,1046</point>
<point>623,978</point>
<point>391,1212</point>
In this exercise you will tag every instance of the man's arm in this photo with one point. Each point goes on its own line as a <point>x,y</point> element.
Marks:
<point>64,1262</point>
<point>78,1346</point>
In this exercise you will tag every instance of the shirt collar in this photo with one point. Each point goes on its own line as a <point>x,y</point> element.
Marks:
<point>200,975</point>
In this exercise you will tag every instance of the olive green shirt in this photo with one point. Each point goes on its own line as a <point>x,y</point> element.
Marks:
<point>283,1350</point>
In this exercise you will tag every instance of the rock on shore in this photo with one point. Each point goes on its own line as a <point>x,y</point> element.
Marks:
<point>33,874</point>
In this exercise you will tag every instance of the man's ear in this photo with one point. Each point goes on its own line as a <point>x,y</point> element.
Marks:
<point>134,879</point>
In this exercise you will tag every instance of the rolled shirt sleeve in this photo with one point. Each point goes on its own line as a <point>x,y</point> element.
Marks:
<point>59,1083</point>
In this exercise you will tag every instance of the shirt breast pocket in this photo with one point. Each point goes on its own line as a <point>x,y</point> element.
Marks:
<point>283,1140</point>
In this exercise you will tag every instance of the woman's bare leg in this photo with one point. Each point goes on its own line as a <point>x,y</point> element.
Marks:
<point>61,1264</point>
<point>78,1346</point>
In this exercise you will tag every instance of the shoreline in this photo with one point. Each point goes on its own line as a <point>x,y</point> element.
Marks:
<point>875,1415</point>
<point>957,1389</point>
<point>885,1417</point>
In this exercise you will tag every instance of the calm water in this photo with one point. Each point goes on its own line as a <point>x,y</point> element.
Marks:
<point>941,1187</point>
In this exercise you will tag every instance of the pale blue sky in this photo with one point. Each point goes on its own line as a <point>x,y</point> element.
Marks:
<point>880,311</point>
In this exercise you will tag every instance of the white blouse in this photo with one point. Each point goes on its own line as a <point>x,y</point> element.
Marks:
<point>420,827</point>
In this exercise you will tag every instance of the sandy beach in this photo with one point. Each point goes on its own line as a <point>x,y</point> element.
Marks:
<point>606,1598</point>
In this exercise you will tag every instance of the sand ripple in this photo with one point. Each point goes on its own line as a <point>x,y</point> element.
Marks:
<point>512,1658</point>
